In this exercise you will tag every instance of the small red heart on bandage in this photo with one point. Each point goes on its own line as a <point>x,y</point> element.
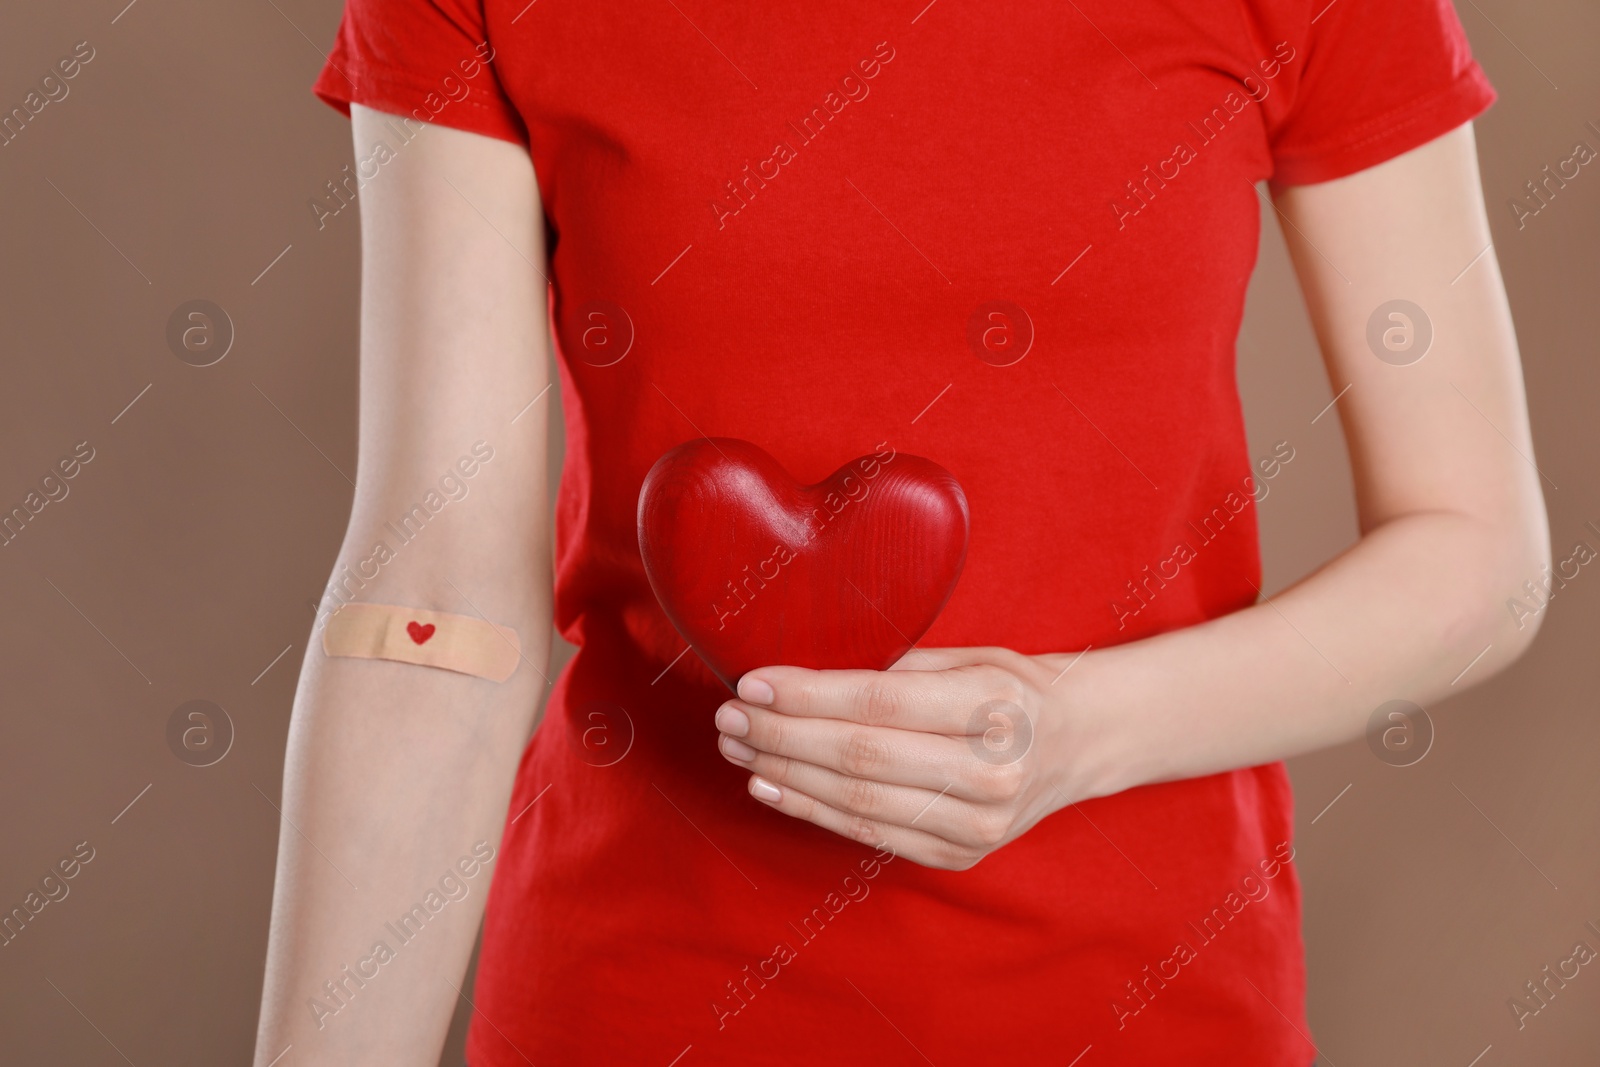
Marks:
<point>420,633</point>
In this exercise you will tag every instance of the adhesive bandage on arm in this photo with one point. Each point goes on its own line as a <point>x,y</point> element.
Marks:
<point>427,638</point>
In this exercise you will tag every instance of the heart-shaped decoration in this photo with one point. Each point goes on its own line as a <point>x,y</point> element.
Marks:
<point>420,633</point>
<point>757,570</point>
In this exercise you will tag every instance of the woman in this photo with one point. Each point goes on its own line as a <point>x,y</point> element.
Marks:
<point>1016,242</point>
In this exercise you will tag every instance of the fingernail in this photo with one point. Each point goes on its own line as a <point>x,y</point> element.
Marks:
<point>730,720</point>
<point>762,789</point>
<point>733,748</point>
<point>755,690</point>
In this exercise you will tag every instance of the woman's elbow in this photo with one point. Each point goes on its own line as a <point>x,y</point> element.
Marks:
<point>1526,577</point>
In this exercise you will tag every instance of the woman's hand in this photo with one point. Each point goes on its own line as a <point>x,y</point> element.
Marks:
<point>945,757</point>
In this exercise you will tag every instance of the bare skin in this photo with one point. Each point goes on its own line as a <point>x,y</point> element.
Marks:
<point>1452,522</point>
<point>394,772</point>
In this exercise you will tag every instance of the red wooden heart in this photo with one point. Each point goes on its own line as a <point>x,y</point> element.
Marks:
<point>756,570</point>
<point>420,633</point>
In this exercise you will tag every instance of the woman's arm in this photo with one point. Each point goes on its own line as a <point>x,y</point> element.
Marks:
<point>396,772</point>
<point>1450,504</point>
<point>1452,523</point>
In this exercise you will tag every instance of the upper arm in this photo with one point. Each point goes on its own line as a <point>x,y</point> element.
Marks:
<point>454,346</point>
<point>1449,431</point>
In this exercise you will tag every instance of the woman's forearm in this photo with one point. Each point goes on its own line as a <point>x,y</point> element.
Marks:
<point>395,792</point>
<point>955,752</point>
<point>1414,611</point>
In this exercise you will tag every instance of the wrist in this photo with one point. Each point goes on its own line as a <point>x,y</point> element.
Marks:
<point>1094,744</point>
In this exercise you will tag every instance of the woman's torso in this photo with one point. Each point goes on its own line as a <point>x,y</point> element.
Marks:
<point>747,244</point>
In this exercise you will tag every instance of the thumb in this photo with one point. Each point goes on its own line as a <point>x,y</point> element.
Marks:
<point>934,659</point>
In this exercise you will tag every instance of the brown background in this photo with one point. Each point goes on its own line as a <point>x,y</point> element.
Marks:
<point>184,559</point>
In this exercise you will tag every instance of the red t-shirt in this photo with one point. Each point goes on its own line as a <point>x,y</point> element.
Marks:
<point>1014,239</point>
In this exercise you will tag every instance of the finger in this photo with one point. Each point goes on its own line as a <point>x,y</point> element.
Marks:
<point>943,658</point>
<point>938,813</point>
<point>919,846</point>
<point>936,701</point>
<point>894,757</point>
<point>927,659</point>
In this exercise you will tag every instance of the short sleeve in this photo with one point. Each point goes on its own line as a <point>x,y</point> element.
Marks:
<point>1375,78</point>
<point>427,59</point>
